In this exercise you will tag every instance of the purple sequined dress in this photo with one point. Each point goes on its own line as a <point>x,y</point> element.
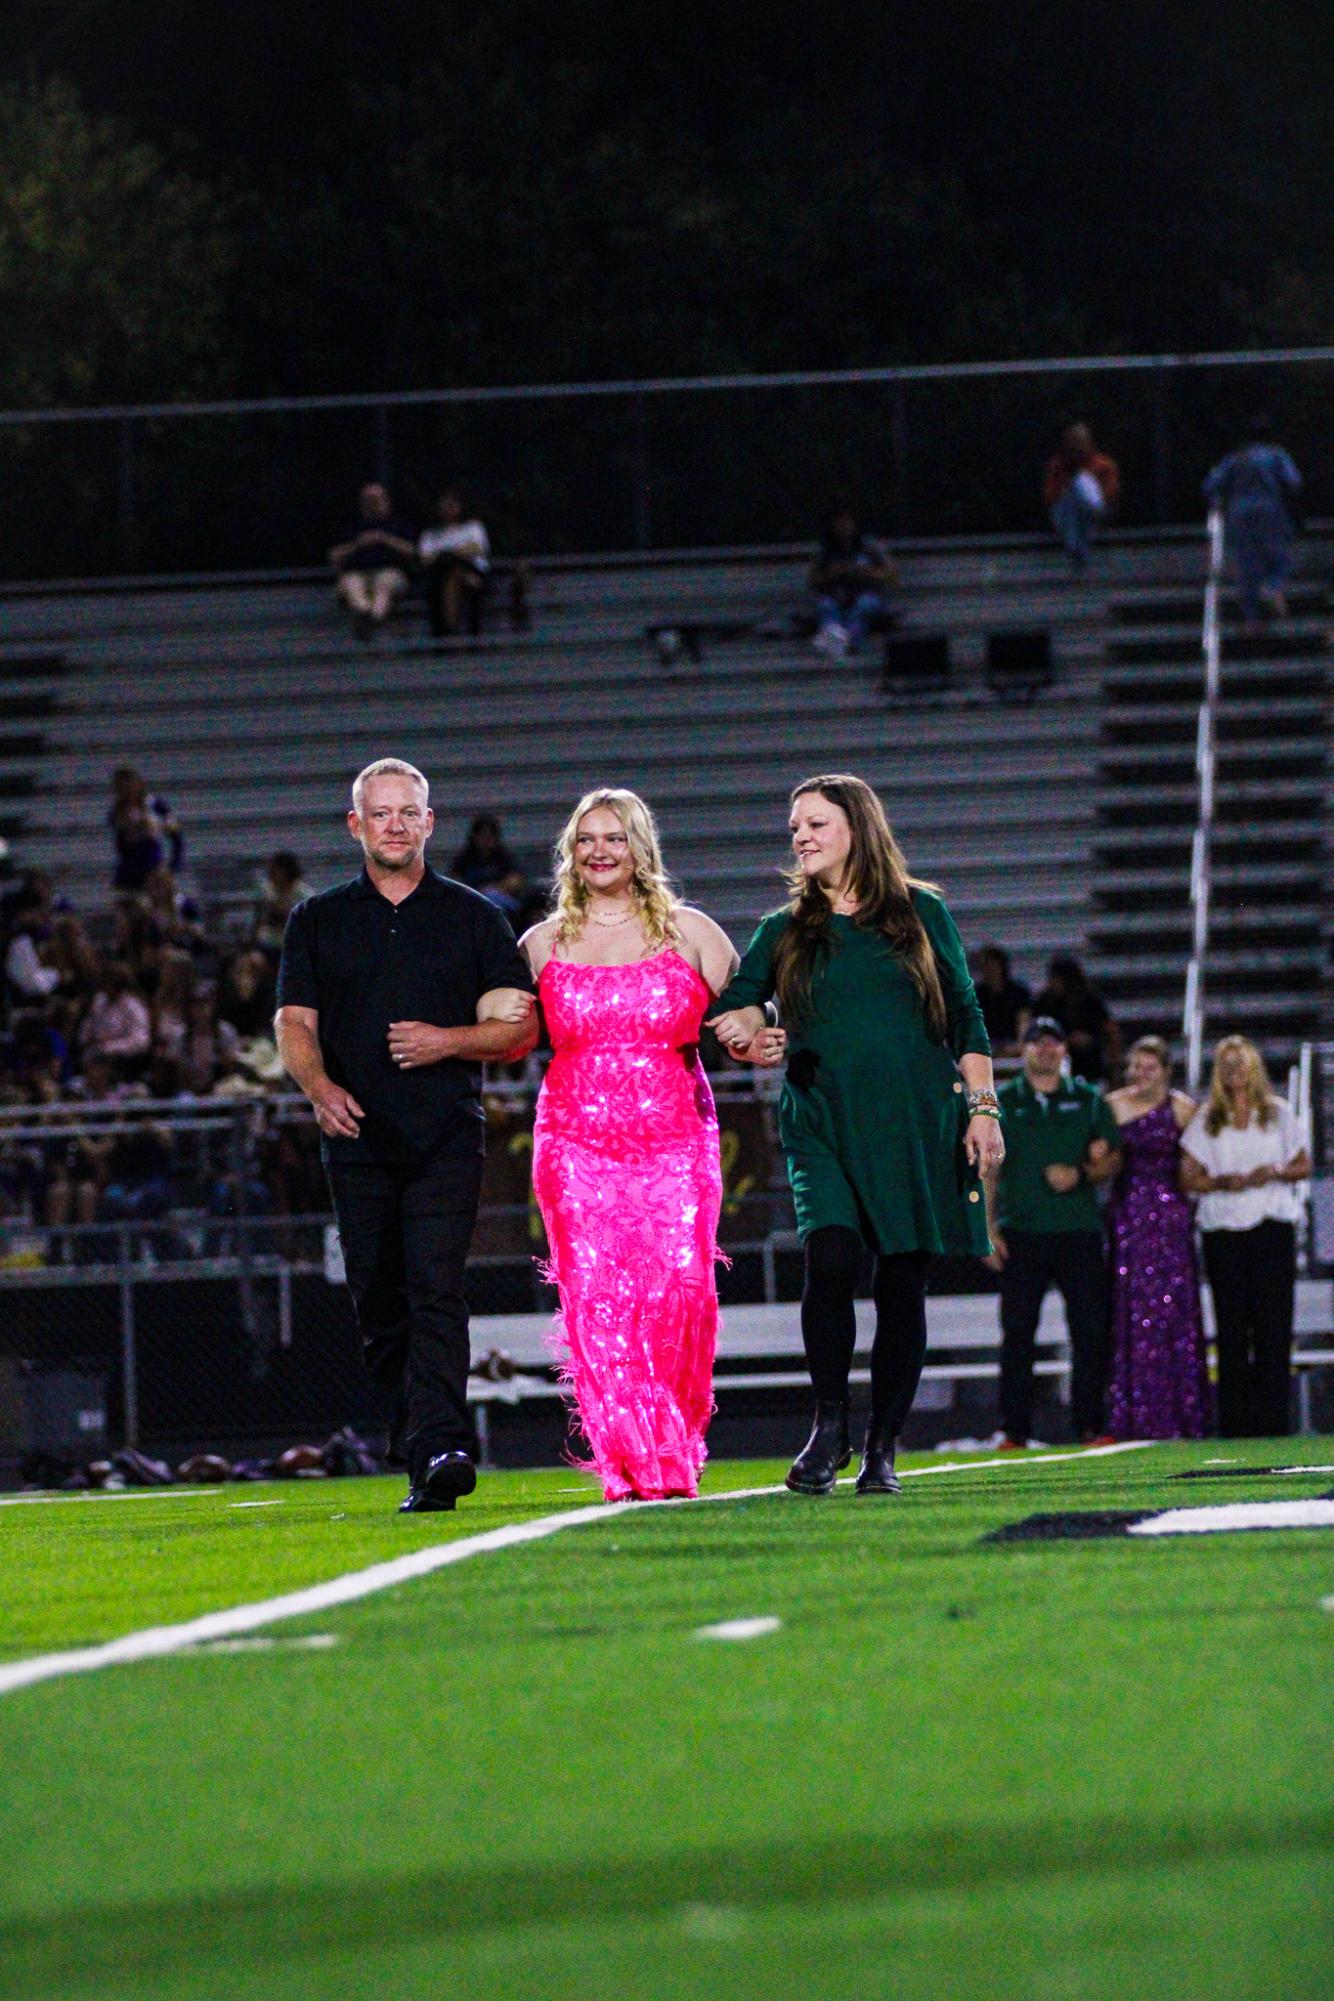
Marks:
<point>1159,1382</point>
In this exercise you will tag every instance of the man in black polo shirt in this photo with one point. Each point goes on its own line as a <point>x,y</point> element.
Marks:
<point>1061,1140</point>
<point>393,990</point>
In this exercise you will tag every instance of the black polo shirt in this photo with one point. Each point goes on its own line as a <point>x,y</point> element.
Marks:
<point>363,962</point>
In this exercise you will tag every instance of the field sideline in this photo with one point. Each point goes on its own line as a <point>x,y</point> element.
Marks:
<point>948,1767</point>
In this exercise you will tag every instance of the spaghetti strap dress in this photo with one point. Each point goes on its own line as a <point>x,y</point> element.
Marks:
<point>627,1176</point>
<point>1159,1384</point>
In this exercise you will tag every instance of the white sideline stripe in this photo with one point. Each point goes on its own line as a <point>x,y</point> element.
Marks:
<point>739,1629</point>
<point>1239,1515</point>
<point>264,1643</point>
<point>155,1642</point>
<point>105,1494</point>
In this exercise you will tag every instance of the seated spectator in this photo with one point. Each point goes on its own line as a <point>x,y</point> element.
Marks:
<point>144,830</point>
<point>456,562</point>
<point>1257,486</point>
<point>77,960</point>
<point>851,577</point>
<point>280,890</point>
<point>1080,490</point>
<point>175,917</point>
<point>1091,1033</point>
<point>117,1023</point>
<point>1006,1003</point>
<point>30,978</point>
<point>208,1052</point>
<point>247,995</point>
<point>486,864</point>
<point>170,1008</point>
<point>373,562</point>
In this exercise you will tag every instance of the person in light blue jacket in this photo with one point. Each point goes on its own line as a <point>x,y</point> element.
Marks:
<point>1255,486</point>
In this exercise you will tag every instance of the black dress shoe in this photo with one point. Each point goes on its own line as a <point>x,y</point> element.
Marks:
<point>877,1475</point>
<point>419,1502</point>
<point>825,1453</point>
<point>447,1476</point>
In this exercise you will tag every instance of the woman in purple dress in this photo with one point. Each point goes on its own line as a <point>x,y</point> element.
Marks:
<point>1159,1381</point>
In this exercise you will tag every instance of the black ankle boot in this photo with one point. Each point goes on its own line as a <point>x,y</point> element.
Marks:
<point>825,1453</point>
<point>877,1475</point>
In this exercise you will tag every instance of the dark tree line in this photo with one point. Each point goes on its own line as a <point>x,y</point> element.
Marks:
<point>234,197</point>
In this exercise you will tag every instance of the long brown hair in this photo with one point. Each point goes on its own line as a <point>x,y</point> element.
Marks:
<point>877,879</point>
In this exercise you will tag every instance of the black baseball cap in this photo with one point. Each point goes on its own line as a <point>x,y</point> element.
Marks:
<point>1044,1027</point>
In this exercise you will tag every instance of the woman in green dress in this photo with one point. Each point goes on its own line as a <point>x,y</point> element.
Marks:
<point>888,1114</point>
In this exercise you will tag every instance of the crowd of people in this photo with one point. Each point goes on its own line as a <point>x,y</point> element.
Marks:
<point>152,1007</point>
<point>160,1012</point>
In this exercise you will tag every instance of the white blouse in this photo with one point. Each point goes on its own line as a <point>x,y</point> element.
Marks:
<point>1236,1150</point>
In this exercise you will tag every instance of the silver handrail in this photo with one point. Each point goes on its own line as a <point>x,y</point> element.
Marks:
<point>1201,861</point>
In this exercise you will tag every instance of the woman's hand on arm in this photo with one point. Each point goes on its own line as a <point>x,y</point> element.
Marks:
<point>737,1028</point>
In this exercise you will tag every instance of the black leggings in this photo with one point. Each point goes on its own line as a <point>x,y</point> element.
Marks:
<point>829,1321</point>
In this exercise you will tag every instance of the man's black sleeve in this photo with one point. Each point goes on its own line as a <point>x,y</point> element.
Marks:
<point>499,961</point>
<point>296,970</point>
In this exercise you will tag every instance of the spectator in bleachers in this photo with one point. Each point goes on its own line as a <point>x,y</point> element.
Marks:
<point>77,960</point>
<point>170,1007</point>
<point>1080,490</point>
<point>118,1023</point>
<point>1159,1384</point>
<point>1091,1031</point>
<point>484,863</point>
<point>373,561</point>
<point>144,830</point>
<point>455,556</point>
<point>1006,1003</point>
<point>208,1052</point>
<point>281,889</point>
<point>851,578</point>
<point>1244,1152</point>
<point>1257,487</point>
<point>246,994</point>
<point>30,977</point>
<point>175,917</point>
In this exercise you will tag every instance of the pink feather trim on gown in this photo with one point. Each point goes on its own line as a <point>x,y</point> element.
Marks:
<point>627,1176</point>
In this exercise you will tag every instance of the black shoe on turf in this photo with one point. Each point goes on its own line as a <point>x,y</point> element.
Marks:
<point>419,1502</point>
<point>449,1476</point>
<point>877,1475</point>
<point>825,1453</point>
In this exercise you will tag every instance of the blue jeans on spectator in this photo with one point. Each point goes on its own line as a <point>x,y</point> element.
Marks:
<point>1259,539</point>
<point>856,618</point>
<point>1074,518</point>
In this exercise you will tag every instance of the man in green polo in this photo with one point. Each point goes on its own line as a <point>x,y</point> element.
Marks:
<point>1061,1140</point>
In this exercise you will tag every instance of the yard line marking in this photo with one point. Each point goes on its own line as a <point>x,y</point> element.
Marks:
<point>1240,1515</point>
<point>156,1642</point>
<point>108,1494</point>
<point>257,1504</point>
<point>266,1643</point>
<point>738,1629</point>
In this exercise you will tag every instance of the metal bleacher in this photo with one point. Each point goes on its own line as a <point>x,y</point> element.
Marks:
<point>248,703</point>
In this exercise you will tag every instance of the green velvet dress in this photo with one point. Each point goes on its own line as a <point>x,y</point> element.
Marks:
<point>873,1112</point>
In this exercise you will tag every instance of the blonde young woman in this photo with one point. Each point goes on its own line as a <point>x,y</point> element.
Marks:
<point>625,1148</point>
<point>1243,1155</point>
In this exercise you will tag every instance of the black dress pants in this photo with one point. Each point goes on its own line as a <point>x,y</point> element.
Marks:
<point>1252,1274</point>
<point>834,1257</point>
<point>1074,1261</point>
<point>405,1233</point>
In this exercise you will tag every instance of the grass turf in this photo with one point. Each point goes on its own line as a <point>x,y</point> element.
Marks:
<point>958,1769</point>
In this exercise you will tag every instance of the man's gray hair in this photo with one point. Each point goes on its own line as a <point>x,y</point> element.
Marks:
<point>382,768</point>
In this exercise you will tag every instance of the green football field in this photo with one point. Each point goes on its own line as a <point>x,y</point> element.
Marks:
<point>942,1765</point>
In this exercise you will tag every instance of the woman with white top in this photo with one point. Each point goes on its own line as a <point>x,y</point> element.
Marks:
<point>1243,1154</point>
<point>456,559</point>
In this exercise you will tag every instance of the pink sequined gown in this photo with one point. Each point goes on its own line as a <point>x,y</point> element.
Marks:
<point>627,1176</point>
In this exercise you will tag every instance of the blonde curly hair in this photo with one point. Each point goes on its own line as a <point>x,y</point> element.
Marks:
<point>650,886</point>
